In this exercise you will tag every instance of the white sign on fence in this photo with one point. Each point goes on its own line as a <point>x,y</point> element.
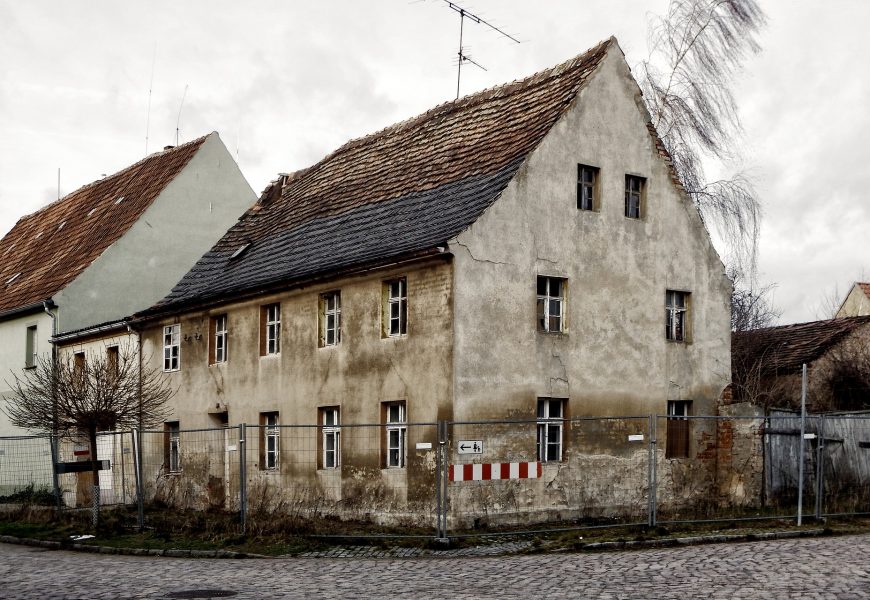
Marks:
<point>635,437</point>
<point>470,446</point>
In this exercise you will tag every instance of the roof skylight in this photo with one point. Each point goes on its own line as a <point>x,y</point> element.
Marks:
<point>13,278</point>
<point>240,250</point>
<point>119,200</point>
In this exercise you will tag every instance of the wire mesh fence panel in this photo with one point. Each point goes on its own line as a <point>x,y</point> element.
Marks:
<point>548,471</point>
<point>25,466</point>
<point>845,464</point>
<point>711,468</point>
<point>343,478</point>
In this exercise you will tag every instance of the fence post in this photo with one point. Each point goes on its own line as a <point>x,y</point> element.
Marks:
<point>441,460</point>
<point>55,482</point>
<point>137,468</point>
<point>800,507</point>
<point>651,472</point>
<point>820,465</point>
<point>243,485</point>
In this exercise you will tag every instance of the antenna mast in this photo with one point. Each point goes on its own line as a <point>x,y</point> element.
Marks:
<point>463,57</point>
<point>150,87</point>
<point>178,121</point>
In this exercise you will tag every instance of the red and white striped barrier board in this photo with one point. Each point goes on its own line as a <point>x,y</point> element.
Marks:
<point>487,471</point>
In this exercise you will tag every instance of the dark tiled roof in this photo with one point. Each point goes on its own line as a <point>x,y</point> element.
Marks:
<point>405,189</point>
<point>49,248</point>
<point>784,349</point>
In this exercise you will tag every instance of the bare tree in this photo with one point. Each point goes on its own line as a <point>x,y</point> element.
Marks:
<point>751,308</point>
<point>695,50</point>
<point>83,395</point>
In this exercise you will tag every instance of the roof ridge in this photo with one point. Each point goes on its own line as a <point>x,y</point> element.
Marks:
<point>856,319</point>
<point>465,102</point>
<point>114,175</point>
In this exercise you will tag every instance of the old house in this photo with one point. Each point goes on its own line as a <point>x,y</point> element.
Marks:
<point>857,301</point>
<point>115,246</point>
<point>525,252</point>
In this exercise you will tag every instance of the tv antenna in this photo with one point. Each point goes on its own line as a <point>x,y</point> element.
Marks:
<point>178,121</point>
<point>463,57</point>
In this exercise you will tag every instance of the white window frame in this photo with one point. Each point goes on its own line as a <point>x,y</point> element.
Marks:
<point>172,347</point>
<point>397,433</point>
<point>273,329</point>
<point>677,315</point>
<point>551,429</point>
<point>551,306</point>
<point>330,334</point>
<point>331,432</point>
<point>173,431</point>
<point>634,189</point>
<point>220,339</point>
<point>396,317</point>
<point>30,342</point>
<point>271,441</point>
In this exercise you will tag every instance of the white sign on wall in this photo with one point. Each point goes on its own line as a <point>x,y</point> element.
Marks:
<point>470,446</point>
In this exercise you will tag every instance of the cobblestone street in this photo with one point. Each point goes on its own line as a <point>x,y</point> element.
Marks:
<point>835,567</point>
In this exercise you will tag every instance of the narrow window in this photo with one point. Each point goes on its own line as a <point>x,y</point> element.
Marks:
<point>112,361</point>
<point>331,440</point>
<point>30,353</point>
<point>172,446</point>
<point>330,319</point>
<point>396,310</point>
<point>269,438</point>
<point>79,366</point>
<point>634,188</point>
<point>270,329</point>
<point>171,347</point>
<point>218,339</point>
<point>587,187</point>
<point>678,429</point>
<point>676,313</point>
<point>551,304</point>
<point>397,429</point>
<point>551,419</point>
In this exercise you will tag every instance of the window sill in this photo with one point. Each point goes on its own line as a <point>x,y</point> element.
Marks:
<point>553,333</point>
<point>30,368</point>
<point>273,355</point>
<point>394,337</point>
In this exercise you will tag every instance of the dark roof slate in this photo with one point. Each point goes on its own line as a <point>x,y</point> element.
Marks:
<point>405,189</point>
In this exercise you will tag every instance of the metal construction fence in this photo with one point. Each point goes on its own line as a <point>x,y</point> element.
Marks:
<point>472,477</point>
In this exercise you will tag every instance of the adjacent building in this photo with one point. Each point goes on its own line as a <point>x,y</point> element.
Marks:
<point>857,301</point>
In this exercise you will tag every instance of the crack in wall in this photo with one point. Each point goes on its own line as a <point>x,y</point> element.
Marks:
<point>474,258</point>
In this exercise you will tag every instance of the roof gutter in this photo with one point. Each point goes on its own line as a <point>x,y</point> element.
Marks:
<point>27,309</point>
<point>156,313</point>
<point>90,332</point>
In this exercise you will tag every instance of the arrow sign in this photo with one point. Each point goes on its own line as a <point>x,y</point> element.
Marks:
<point>470,446</point>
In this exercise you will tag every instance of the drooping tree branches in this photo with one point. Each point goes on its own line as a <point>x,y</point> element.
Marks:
<point>695,51</point>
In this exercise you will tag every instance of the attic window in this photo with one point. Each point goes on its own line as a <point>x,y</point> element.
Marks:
<point>13,278</point>
<point>240,250</point>
<point>119,200</point>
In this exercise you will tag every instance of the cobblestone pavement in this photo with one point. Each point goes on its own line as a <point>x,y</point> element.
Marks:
<point>836,567</point>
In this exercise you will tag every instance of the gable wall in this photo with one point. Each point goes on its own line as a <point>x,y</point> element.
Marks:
<point>614,358</point>
<point>856,304</point>
<point>193,211</point>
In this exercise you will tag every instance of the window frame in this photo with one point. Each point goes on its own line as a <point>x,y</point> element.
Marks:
<point>591,186</point>
<point>172,446</point>
<point>270,329</point>
<point>30,347</point>
<point>631,195</point>
<point>218,335</point>
<point>677,316</point>
<point>330,336</point>
<point>546,301</point>
<point>113,364</point>
<point>546,424</point>
<point>330,431</point>
<point>172,340</point>
<point>396,455</point>
<point>678,438</point>
<point>270,441</point>
<point>397,302</point>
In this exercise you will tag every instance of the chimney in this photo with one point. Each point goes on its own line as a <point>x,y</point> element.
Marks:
<point>165,148</point>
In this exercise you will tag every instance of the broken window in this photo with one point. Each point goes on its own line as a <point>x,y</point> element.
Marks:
<point>397,429</point>
<point>30,352</point>
<point>396,313</point>
<point>171,347</point>
<point>678,429</point>
<point>587,187</point>
<point>218,338</point>
<point>331,440</point>
<point>634,189</point>
<point>269,438</point>
<point>551,304</point>
<point>551,419</point>
<point>676,313</point>
<point>270,329</point>
<point>172,446</point>
<point>330,319</point>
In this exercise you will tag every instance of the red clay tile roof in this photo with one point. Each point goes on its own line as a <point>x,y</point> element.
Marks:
<point>784,349</point>
<point>47,249</point>
<point>407,188</point>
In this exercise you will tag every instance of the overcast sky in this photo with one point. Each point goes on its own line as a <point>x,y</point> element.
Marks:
<point>284,83</point>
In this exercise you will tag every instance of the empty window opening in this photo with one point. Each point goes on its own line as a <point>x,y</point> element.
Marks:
<point>172,446</point>
<point>551,425</point>
<point>551,304</point>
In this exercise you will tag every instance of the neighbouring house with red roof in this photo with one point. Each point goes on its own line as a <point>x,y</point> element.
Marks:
<point>111,248</point>
<point>857,301</point>
<point>524,253</point>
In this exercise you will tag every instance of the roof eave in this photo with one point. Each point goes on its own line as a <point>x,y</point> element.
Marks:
<point>27,309</point>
